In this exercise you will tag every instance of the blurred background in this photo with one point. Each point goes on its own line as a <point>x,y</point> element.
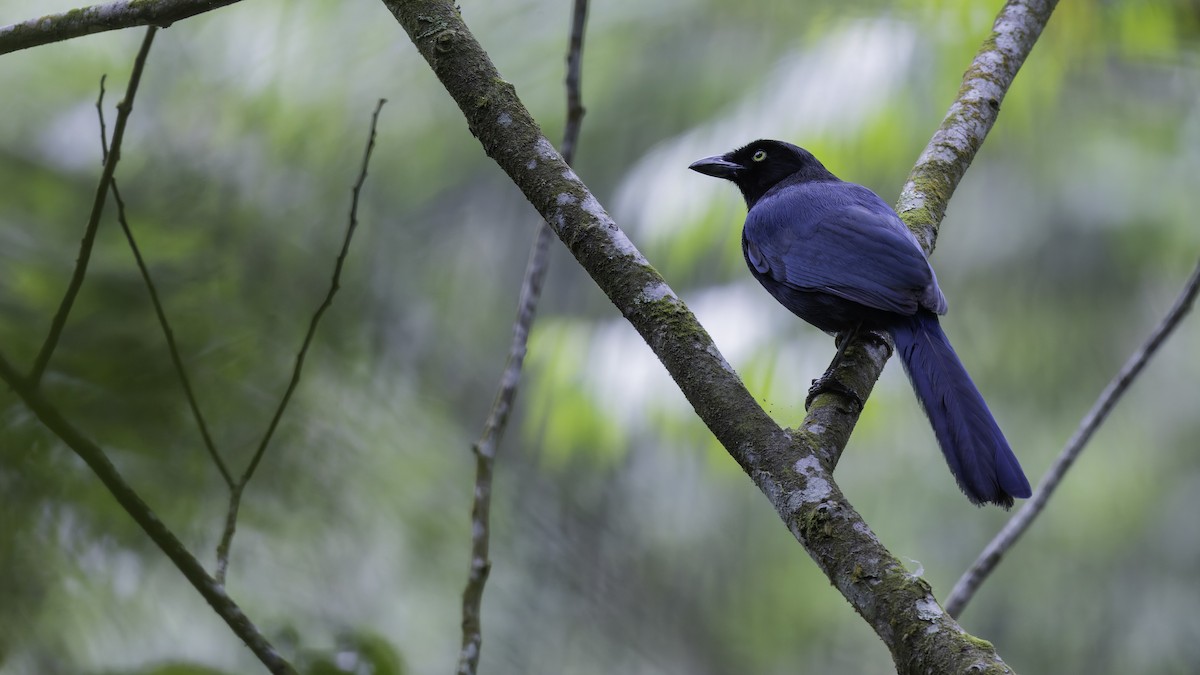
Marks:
<point>625,539</point>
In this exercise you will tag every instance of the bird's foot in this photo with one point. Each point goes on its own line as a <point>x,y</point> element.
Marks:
<point>827,384</point>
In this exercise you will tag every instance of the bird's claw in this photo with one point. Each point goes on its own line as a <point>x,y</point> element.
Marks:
<point>827,384</point>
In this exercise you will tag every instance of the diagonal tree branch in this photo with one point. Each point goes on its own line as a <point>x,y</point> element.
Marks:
<point>983,566</point>
<point>100,18</point>
<point>89,452</point>
<point>493,429</point>
<point>89,235</point>
<point>786,465</point>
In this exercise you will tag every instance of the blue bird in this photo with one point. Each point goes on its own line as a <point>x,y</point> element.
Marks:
<point>837,256</point>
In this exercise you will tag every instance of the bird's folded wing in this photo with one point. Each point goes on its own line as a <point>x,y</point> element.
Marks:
<point>851,252</point>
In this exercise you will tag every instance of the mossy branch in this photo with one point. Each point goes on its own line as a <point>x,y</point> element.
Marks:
<point>941,166</point>
<point>100,18</point>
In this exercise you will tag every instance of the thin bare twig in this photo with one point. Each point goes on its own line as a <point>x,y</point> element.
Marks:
<point>983,566</point>
<point>89,452</point>
<point>89,236</point>
<point>497,421</point>
<point>160,312</point>
<point>574,81</point>
<point>235,496</point>
<point>231,516</point>
<point>100,18</point>
<point>103,129</point>
<point>173,348</point>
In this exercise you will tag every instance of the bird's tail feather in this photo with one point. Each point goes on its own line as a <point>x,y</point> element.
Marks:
<point>978,454</point>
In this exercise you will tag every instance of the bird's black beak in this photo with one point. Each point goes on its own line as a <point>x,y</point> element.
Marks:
<point>716,166</point>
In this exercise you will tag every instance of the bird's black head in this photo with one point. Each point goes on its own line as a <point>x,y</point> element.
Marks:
<point>761,165</point>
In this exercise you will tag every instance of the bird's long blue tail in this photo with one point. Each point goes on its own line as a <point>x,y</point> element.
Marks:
<point>979,457</point>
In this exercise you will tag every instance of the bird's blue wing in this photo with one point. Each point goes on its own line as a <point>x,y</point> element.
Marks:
<point>819,238</point>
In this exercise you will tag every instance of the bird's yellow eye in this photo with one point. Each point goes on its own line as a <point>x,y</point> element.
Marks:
<point>759,155</point>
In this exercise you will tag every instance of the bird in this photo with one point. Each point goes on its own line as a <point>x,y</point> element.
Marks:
<point>837,256</point>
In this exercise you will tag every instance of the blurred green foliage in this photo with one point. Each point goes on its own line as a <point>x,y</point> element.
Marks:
<point>625,540</point>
